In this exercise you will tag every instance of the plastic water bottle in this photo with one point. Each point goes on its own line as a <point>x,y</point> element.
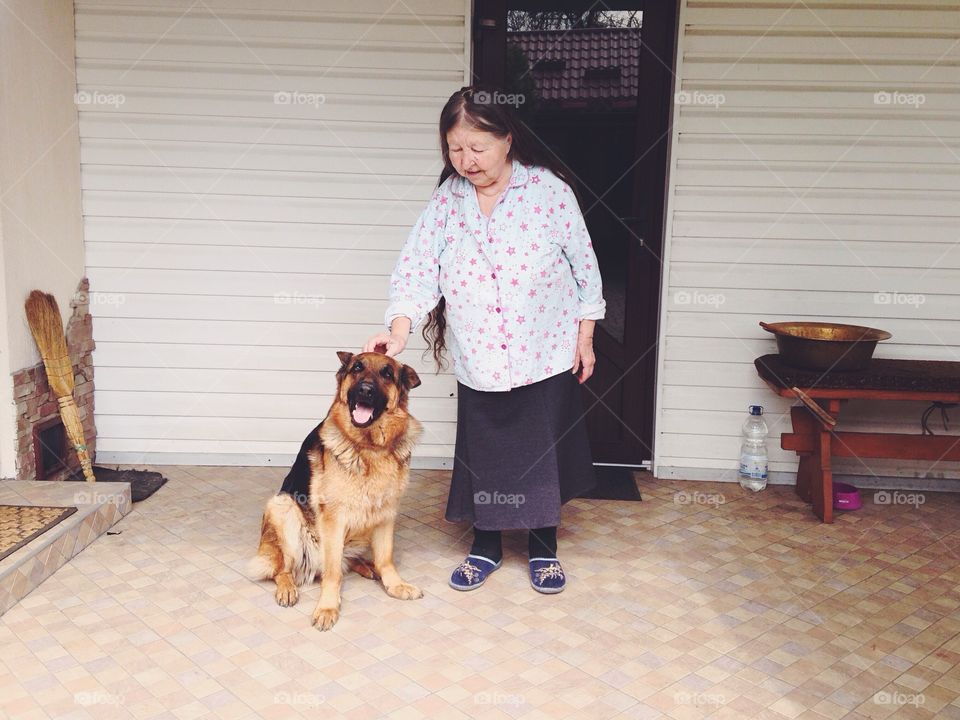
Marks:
<point>753,451</point>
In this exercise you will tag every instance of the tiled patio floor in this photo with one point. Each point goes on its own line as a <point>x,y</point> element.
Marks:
<point>682,606</point>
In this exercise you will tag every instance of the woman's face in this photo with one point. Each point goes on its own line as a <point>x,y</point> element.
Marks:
<point>479,156</point>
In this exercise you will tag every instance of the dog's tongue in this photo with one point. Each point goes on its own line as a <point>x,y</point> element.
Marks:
<point>362,414</point>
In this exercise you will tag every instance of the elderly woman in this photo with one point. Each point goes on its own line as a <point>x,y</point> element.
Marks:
<point>501,266</point>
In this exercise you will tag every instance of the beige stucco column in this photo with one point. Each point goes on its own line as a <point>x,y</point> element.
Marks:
<point>41,227</point>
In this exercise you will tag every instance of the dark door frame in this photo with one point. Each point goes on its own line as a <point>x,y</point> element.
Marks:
<point>638,356</point>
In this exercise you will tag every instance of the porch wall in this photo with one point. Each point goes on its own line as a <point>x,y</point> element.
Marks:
<point>249,176</point>
<point>41,233</point>
<point>798,192</point>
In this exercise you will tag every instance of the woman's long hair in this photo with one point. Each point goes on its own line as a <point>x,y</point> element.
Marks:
<point>478,108</point>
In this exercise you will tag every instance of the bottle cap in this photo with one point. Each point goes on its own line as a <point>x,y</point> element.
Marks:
<point>756,410</point>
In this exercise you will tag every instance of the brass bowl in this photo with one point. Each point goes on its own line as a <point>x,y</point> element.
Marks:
<point>825,346</point>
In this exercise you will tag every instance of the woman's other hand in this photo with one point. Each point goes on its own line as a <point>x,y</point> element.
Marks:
<point>584,359</point>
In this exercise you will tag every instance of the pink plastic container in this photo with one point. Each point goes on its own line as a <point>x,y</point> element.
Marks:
<point>846,497</point>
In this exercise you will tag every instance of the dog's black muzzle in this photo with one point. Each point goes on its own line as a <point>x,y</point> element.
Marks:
<point>366,402</point>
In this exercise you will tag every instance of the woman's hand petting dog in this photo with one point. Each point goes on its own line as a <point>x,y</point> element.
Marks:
<point>389,344</point>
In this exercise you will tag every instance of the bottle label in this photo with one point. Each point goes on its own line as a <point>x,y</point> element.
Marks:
<point>753,467</point>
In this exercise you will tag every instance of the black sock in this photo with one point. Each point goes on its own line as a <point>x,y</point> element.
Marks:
<point>542,542</point>
<point>486,543</point>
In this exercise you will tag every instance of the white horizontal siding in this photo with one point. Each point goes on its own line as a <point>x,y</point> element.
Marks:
<point>234,243</point>
<point>795,195</point>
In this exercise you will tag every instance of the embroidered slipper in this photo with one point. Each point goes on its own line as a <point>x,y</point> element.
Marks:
<point>473,572</point>
<point>546,575</point>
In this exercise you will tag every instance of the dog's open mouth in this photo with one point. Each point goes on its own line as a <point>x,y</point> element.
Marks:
<point>366,403</point>
<point>362,414</point>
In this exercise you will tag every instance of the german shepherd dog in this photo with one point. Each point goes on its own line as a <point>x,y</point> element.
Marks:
<point>343,490</point>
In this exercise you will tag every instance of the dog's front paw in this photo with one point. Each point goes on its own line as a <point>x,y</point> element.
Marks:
<point>404,591</point>
<point>325,618</point>
<point>287,594</point>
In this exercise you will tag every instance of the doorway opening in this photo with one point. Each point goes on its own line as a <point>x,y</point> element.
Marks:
<point>596,80</point>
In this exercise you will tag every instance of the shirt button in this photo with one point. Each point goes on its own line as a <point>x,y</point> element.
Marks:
<point>503,347</point>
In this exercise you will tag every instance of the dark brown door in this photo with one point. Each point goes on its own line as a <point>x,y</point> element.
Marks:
<point>596,79</point>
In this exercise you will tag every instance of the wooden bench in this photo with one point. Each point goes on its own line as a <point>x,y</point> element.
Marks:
<point>816,442</point>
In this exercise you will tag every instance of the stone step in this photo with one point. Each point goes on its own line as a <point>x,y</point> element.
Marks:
<point>99,506</point>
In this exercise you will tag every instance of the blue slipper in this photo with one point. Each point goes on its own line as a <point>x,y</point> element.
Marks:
<point>473,572</point>
<point>546,575</point>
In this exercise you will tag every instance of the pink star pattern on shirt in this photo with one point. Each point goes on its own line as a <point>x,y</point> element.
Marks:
<point>492,294</point>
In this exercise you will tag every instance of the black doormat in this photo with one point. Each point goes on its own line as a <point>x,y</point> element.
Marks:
<point>614,483</point>
<point>143,483</point>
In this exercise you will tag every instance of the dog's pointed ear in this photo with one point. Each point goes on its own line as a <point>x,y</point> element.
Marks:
<point>345,357</point>
<point>409,377</point>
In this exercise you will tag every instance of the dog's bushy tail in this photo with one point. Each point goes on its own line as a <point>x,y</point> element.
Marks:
<point>260,568</point>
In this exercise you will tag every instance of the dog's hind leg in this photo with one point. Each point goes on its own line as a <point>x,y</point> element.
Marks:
<point>283,555</point>
<point>361,566</point>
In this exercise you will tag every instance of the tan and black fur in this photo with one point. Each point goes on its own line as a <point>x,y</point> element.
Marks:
<point>342,493</point>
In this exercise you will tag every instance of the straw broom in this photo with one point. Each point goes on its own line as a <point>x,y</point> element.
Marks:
<point>43,316</point>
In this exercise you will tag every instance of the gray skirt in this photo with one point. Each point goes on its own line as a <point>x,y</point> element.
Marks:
<point>519,455</point>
